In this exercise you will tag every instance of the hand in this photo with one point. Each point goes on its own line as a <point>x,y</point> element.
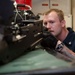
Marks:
<point>49,41</point>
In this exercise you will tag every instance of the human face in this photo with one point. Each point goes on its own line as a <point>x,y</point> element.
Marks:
<point>53,24</point>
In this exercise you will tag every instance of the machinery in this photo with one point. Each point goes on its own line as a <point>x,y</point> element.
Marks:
<point>20,33</point>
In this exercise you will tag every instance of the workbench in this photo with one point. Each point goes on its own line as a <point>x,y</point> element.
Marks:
<point>36,61</point>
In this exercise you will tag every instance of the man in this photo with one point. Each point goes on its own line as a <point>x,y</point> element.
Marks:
<point>60,38</point>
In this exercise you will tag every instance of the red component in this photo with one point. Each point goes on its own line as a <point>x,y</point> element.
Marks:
<point>54,4</point>
<point>44,4</point>
<point>27,2</point>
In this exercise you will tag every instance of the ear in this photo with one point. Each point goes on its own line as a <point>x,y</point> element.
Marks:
<point>63,23</point>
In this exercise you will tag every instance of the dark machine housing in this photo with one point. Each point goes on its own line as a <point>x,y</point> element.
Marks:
<point>21,40</point>
<point>20,35</point>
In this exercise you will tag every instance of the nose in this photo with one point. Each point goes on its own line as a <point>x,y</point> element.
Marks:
<point>48,26</point>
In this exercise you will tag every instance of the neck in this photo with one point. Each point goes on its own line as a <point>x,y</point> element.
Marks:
<point>63,35</point>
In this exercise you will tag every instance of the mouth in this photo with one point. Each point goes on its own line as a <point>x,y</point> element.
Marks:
<point>50,31</point>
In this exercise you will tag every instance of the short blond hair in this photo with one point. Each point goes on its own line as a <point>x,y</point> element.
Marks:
<point>59,13</point>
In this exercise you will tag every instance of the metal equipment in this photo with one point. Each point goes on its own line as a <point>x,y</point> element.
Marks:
<point>19,35</point>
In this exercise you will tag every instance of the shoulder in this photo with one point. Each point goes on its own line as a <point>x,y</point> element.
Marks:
<point>71,32</point>
<point>70,39</point>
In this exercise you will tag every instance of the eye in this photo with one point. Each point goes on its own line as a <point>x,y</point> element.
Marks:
<point>45,23</point>
<point>51,22</point>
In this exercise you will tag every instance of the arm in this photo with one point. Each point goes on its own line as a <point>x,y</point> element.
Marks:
<point>49,41</point>
<point>65,51</point>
